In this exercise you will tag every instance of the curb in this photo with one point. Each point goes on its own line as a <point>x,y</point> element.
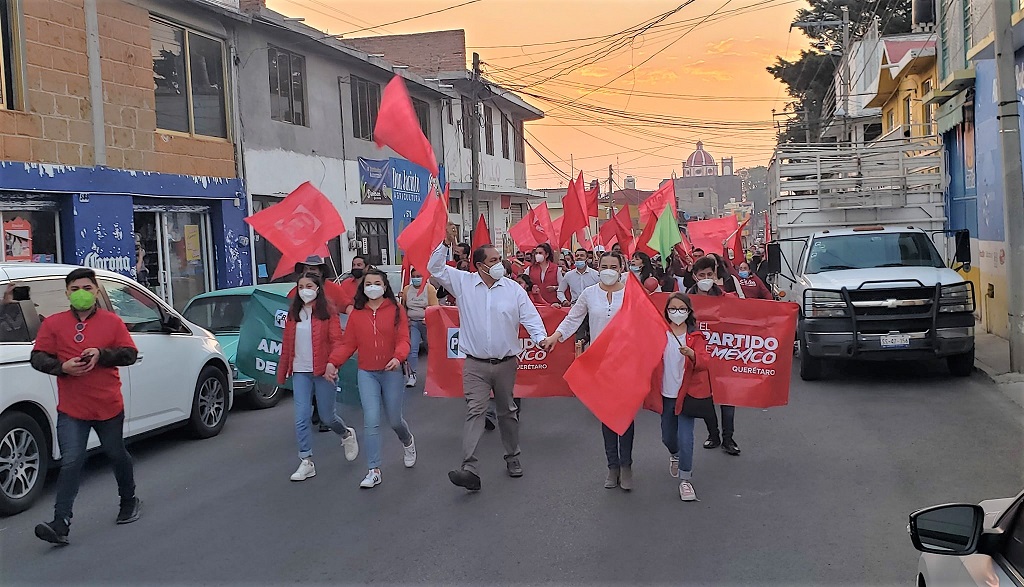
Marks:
<point>1010,385</point>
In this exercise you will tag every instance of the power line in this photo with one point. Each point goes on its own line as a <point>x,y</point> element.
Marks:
<point>468,2</point>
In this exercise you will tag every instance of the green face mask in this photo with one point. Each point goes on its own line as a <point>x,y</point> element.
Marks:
<point>82,300</point>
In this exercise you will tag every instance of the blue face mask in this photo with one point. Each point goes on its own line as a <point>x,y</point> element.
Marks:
<point>417,281</point>
<point>744,274</point>
<point>580,264</point>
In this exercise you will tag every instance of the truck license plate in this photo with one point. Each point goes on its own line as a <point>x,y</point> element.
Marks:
<point>896,341</point>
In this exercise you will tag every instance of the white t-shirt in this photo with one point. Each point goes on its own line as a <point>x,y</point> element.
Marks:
<point>675,366</point>
<point>303,362</point>
<point>593,302</point>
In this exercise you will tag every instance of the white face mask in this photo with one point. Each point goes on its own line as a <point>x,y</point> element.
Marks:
<point>705,284</point>
<point>307,295</point>
<point>539,257</point>
<point>678,315</point>
<point>610,276</point>
<point>497,271</point>
<point>374,292</point>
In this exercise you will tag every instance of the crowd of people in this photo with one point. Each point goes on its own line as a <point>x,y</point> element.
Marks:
<point>329,321</point>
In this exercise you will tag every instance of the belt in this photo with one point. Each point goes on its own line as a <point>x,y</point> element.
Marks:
<point>491,361</point>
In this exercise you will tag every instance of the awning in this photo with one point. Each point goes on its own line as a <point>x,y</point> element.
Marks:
<point>951,113</point>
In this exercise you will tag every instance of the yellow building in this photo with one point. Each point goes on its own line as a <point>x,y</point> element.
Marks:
<point>908,73</point>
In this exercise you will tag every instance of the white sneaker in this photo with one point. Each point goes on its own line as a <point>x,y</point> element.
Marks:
<point>686,492</point>
<point>372,479</point>
<point>410,381</point>
<point>351,445</point>
<point>673,466</point>
<point>410,454</point>
<point>305,471</point>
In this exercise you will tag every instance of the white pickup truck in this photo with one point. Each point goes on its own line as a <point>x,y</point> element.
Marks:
<point>877,293</point>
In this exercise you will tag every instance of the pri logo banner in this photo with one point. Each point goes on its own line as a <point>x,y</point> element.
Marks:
<point>454,352</point>
<point>280,317</point>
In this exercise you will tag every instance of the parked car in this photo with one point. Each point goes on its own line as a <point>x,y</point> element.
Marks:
<point>182,377</point>
<point>967,544</point>
<point>221,312</point>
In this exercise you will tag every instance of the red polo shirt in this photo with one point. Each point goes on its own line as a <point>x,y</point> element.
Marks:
<point>95,395</point>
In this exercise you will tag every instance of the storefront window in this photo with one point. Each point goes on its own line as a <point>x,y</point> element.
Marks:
<point>29,235</point>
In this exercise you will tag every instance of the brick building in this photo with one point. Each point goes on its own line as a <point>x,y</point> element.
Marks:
<point>115,152</point>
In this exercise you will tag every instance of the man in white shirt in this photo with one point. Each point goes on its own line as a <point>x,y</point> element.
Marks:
<point>491,308</point>
<point>578,279</point>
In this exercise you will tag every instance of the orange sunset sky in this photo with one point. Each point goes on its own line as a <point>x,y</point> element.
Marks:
<point>705,75</point>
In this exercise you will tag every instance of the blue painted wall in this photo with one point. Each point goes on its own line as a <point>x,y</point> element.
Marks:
<point>96,231</point>
<point>232,248</point>
<point>989,158</point>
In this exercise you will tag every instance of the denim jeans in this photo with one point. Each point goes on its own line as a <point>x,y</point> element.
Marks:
<point>677,436</point>
<point>381,390</point>
<point>417,335</point>
<point>728,422</point>
<point>304,387</point>
<point>73,436</point>
<point>618,449</point>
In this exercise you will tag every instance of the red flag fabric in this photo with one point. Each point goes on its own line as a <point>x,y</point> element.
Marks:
<point>287,264</point>
<point>750,343</point>
<point>406,271</point>
<point>425,233</point>
<point>736,243</point>
<point>300,224</point>
<point>624,226</point>
<point>399,128</point>
<point>481,234</point>
<point>656,202</point>
<point>711,234</point>
<point>527,233</point>
<point>643,241</point>
<point>556,231</point>
<point>590,198</point>
<point>583,241</point>
<point>609,233</point>
<point>545,223</point>
<point>574,212</point>
<point>636,336</point>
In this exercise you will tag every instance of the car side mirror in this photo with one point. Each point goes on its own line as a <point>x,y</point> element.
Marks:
<point>962,240</point>
<point>773,258</point>
<point>953,529</point>
<point>173,324</point>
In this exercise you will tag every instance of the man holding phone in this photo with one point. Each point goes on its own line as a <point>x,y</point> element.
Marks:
<point>83,347</point>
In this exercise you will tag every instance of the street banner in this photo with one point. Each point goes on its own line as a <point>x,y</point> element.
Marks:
<point>373,181</point>
<point>259,344</point>
<point>410,184</point>
<point>751,347</point>
<point>540,372</point>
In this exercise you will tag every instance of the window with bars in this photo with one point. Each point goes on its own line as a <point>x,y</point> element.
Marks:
<point>455,205</point>
<point>467,124</point>
<point>520,142</point>
<point>943,40</point>
<point>9,67</point>
<point>489,130</point>
<point>968,25</point>
<point>423,115</point>
<point>504,136</point>
<point>188,79</point>
<point>365,104</point>
<point>287,86</point>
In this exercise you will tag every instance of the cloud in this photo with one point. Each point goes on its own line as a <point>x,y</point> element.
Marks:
<point>702,69</point>
<point>723,47</point>
<point>595,71</point>
<point>656,75</point>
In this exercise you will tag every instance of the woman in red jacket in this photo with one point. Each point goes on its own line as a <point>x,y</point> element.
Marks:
<point>310,332</point>
<point>545,274</point>
<point>378,330</point>
<point>684,385</point>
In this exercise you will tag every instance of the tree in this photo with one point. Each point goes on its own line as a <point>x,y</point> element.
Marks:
<point>809,78</point>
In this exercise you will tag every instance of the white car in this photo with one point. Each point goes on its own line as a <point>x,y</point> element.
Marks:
<point>181,376</point>
<point>967,544</point>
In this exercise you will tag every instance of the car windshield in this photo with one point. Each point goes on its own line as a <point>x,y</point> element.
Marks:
<point>217,314</point>
<point>868,250</point>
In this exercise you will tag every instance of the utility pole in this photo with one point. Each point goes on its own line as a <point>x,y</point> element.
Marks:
<point>807,125</point>
<point>1013,182</point>
<point>846,73</point>
<point>474,141</point>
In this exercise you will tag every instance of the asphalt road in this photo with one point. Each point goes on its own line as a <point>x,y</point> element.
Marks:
<point>820,495</point>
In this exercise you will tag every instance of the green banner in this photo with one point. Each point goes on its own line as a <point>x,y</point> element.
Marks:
<point>259,344</point>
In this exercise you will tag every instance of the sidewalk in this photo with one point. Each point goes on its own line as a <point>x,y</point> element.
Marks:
<point>992,358</point>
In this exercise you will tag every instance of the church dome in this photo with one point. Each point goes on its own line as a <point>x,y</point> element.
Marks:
<point>700,162</point>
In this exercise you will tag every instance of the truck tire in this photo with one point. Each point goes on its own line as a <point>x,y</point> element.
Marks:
<point>961,365</point>
<point>811,368</point>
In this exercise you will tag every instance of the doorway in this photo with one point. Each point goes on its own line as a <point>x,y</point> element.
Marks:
<point>373,240</point>
<point>174,253</point>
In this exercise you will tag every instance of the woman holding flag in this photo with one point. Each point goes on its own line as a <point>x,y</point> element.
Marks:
<point>684,385</point>
<point>600,303</point>
<point>545,274</point>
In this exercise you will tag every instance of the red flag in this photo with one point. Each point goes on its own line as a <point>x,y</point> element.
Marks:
<point>425,233</point>
<point>481,234</point>
<point>711,234</point>
<point>528,232</point>
<point>736,242</point>
<point>556,230</point>
<point>609,233</point>
<point>548,227</point>
<point>656,202</point>
<point>636,336</point>
<point>590,198</point>
<point>581,238</point>
<point>406,271</point>
<point>299,224</point>
<point>643,242</point>
<point>287,264</point>
<point>574,212</point>
<point>399,128</point>
<point>624,226</point>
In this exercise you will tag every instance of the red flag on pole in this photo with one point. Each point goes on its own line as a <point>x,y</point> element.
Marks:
<point>545,224</point>
<point>425,233</point>
<point>573,211</point>
<point>711,234</point>
<point>481,234</point>
<point>656,202</point>
<point>609,233</point>
<point>636,336</point>
<point>399,128</point>
<point>300,224</point>
<point>287,264</point>
<point>643,241</point>
<point>528,232</point>
<point>736,242</point>
<point>590,198</point>
<point>557,228</point>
